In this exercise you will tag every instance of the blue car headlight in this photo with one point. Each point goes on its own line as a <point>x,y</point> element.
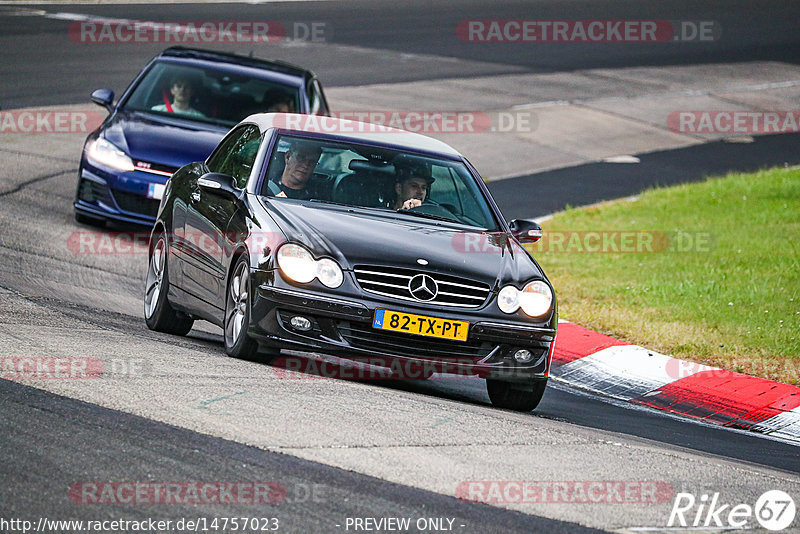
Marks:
<point>106,154</point>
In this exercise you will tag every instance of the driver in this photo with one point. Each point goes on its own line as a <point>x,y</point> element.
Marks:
<point>182,89</point>
<point>301,160</point>
<point>412,186</point>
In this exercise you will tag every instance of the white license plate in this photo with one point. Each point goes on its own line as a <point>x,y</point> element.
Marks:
<point>156,191</point>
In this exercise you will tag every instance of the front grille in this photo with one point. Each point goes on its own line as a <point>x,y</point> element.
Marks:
<point>363,336</point>
<point>136,203</point>
<point>393,282</point>
<point>155,168</point>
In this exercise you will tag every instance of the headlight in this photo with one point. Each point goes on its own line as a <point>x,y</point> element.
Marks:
<point>109,155</point>
<point>299,265</point>
<point>508,299</point>
<point>535,299</point>
<point>329,273</point>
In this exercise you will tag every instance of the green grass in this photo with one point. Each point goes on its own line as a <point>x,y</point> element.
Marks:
<point>731,300</point>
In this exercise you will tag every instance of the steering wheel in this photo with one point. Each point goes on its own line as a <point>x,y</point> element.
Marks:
<point>431,207</point>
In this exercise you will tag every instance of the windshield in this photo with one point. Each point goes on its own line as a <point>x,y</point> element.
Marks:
<point>350,174</point>
<point>208,95</point>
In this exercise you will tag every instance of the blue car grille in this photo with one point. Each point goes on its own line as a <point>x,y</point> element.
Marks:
<point>136,203</point>
<point>155,168</point>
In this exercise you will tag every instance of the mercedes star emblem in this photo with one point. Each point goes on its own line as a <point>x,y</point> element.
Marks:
<point>423,287</point>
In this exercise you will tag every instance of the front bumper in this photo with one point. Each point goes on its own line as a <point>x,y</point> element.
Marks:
<point>123,197</point>
<point>343,327</point>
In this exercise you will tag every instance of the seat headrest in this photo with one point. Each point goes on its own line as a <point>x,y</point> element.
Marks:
<point>360,165</point>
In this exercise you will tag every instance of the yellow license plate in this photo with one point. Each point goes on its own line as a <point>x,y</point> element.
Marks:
<point>420,325</point>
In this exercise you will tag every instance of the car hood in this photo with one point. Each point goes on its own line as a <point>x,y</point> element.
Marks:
<point>355,236</point>
<point>167,141</point>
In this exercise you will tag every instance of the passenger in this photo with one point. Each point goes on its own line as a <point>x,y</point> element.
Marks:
<point>278,101</point>
<point>182,88</point>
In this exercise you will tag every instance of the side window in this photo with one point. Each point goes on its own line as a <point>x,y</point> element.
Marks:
<point>443,189</point>
<point>236,154</point>
<point>451,190</point>
<point>468,203</point>
<point>316,99</point>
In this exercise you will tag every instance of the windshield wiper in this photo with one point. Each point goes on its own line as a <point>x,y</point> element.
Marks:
<point>427,215</point>
<point>351,206</point>
<point>321,201</point>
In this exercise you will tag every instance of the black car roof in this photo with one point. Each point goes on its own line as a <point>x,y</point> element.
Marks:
<point>248,61</point>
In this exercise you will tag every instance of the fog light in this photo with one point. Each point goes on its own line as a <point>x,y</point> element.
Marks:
<point>85,191</point>
<point>300,323</point>
<point>523,356</point>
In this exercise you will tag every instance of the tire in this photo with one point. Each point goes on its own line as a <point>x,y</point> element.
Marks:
<point>237,313</point>
<point>158,313</point>
<point>89,221</point>
<point>504,395</point>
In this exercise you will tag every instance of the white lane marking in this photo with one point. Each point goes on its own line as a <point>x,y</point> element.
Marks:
<point>21,12</point>
<point>621,159</point>
<point>744,139</point>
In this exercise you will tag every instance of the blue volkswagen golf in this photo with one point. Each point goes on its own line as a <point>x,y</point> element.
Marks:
<point>175,112</point>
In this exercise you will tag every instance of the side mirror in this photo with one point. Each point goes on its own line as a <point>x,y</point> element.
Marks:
<point>526,231</point>
<point>218,184</point>
<point>104,97</point>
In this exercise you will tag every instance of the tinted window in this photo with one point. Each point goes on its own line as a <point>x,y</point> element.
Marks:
<point>236,154</point>
<point>381,178</point>
<point>215,95</point>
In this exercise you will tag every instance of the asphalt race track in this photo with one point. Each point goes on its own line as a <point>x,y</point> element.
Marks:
<point>178,410</point>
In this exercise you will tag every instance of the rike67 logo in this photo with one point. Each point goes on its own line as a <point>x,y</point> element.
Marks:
<point>773,510</point>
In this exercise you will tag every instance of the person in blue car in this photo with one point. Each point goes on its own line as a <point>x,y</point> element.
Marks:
<point>278,101</point>
<point>182,90</point>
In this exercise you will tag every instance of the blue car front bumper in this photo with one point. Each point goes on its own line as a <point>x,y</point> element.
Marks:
<point>130,197</point>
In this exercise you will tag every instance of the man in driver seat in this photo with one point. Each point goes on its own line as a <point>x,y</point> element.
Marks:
<point>301,160</point>
<point>412,185</point>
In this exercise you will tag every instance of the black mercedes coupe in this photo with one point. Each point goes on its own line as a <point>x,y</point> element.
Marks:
<point>306,233</point>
